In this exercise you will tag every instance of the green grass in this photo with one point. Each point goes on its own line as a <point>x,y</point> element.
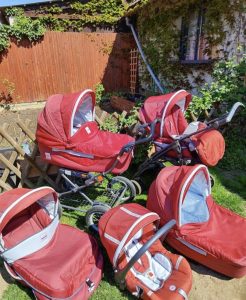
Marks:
<point>229,191</point>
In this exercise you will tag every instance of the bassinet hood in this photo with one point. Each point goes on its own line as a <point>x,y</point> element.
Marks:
<point>77,109</point>
<point>161,106</point>
<point>190,190</point>
<point>20,199</point>
<point>64,114</point>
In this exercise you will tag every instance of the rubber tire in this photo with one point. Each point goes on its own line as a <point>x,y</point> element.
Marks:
<point>138,186</point>
<point>129,183</point>
<point>99,208</point>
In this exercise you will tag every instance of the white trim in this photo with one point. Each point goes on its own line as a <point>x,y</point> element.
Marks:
<point>122,243</point>
<point>178,262</point>
<point>75,108</point>
<point>112,239</point>
<point>192,247</point>
<point>21,198</point>
<point>185,185</point>
<point>183,293</point>
<point>130,212</point>
<point>164,112</point>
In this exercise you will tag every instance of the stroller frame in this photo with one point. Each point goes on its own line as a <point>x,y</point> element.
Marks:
<point>88,179</point>
<point>159,157</point>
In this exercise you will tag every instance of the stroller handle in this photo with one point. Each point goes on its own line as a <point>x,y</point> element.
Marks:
<point>147,139</point>
<point>121,274</point>
<point>218,122</point>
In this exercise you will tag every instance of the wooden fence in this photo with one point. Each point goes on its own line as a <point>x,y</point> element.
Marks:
<point>65,62</point>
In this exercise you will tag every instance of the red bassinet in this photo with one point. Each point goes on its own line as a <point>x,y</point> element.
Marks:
<point>205,231</point>
<point>170,109</point>
<point>56,261</point>
<point>68,136</point>
<point>155,273</point>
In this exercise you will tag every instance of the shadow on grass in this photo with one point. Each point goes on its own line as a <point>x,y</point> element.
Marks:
<point>234,181</point>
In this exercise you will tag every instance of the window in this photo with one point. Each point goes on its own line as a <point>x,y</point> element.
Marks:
<point>193,41</point>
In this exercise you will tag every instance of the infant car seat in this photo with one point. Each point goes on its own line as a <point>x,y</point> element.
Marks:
<point>139,260</point>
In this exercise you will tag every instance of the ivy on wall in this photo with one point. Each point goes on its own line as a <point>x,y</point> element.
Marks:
<point>78,14</point>
<point>159,27</point>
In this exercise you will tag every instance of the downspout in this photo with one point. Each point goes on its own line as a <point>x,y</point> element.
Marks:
<point>140,49</point>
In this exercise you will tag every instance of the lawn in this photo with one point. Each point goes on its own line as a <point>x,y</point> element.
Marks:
<point>229,191</point>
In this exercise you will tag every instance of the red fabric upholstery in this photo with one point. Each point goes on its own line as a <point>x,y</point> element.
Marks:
<point>54,131</point>
<point>59,269</point>
<point>222,237</point>
<point>112,234</point>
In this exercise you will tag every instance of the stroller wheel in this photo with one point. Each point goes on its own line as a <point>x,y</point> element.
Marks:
<point>119,190</point>
<point>93,216</point>
<point>137,186</point>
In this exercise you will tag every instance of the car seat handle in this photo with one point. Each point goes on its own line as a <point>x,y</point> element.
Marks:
<point>121,274</point>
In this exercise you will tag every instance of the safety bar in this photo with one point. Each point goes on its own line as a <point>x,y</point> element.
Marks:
<point>121,274</point>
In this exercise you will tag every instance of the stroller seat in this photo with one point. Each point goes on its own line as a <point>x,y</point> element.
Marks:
<point>208,146</point>
<point>68,136</point>
<point>60,266</point>
<point>205,231</point>
<point>157,273</point>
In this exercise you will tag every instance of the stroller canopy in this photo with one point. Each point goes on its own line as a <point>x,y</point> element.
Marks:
<point>205,231</point>
<point>18,201</point>
<point>68,136</point>
<point>132,218</point>
<point>183,192</point>
<point>64,114</point>
<point>54,259</point>
<point>166,106</point>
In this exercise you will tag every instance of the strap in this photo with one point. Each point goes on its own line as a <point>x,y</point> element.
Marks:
<point>32,244</point>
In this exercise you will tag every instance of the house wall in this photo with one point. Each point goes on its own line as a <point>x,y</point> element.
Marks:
<point>196,74</point>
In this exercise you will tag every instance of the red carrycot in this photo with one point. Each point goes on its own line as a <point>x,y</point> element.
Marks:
<point>205,231</point>
<point>56,261</point>
<point>139,260</point>
<point>69,137</point>
<point>170,109</point>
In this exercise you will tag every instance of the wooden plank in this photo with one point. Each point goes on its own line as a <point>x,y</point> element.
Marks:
<point>5,186</point>
<point>26,130</point>
<point>93,57</point>
<point>30,159</point>
<point>9,164</point>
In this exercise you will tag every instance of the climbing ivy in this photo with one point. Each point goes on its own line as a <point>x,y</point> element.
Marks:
<point>159,26</point>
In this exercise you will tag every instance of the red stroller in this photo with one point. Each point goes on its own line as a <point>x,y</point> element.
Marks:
<point>68,136</point>
<point>177,141</point>
<point>56,261</point>
<point>139,260</point>
<point>204,231</point>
